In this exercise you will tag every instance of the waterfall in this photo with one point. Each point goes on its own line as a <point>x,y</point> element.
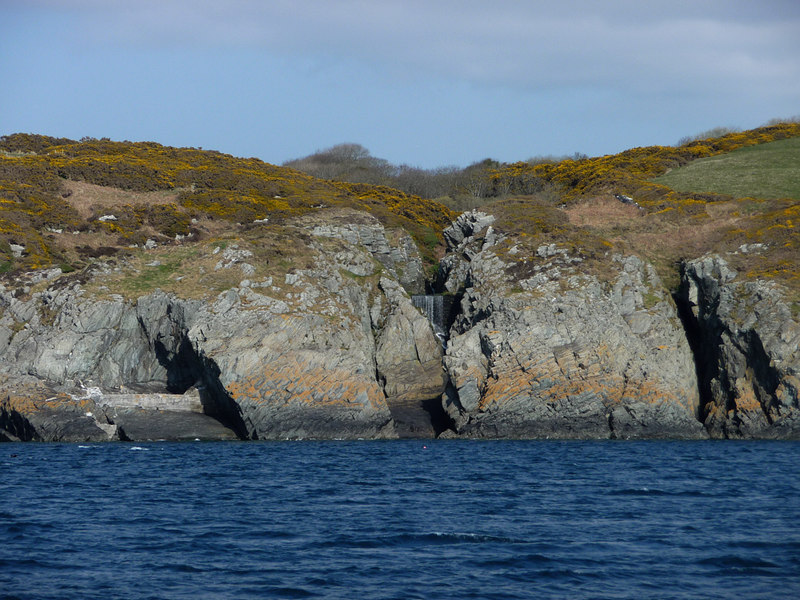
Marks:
<point>437,308</point>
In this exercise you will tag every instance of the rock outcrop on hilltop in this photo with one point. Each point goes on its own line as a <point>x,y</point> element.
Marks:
<point>544,347</point>
<point>746,341</point>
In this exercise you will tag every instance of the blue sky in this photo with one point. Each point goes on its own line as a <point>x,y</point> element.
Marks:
<point>422,82</point>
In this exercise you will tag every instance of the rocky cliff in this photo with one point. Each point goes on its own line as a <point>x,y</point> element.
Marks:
<point>746,337</point>
<point>307,330</point>
<point>323,343</point>
<point>547,347</point>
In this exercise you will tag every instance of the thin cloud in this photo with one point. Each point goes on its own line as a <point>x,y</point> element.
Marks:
<point>643,46</point>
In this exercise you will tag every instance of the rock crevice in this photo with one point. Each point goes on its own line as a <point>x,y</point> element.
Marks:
<point>543,342</point>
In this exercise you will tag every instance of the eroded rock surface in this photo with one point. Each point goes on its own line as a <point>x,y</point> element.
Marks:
<point>319,338</point>
<point>331,348</point>
<point>746,339</point>
<point>545,348</point>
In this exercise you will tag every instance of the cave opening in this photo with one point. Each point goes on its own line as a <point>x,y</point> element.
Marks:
<point>185,369</point>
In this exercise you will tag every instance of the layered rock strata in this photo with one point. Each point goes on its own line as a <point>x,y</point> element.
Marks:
<point>544,348</point>
<point>746,338</point>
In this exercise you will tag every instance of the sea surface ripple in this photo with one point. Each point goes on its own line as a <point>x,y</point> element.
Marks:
<point>400,519</point>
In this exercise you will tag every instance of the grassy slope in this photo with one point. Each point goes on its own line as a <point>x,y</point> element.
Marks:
<point>765,171</point>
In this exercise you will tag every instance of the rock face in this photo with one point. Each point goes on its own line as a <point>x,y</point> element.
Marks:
<point>746,339</point>
<point>409,363</point>
<point>544,349</point>
<point>334,350</point>
<point>320,339</point>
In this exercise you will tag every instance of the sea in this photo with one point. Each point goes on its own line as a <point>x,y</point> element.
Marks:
<point>426,519</point>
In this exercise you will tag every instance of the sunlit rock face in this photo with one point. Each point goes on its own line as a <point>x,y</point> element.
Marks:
<point>746,339</point>
<point>546,348</point>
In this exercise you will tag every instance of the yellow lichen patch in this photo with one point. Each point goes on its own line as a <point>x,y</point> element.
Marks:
<point>564,376</point>
<point>746,399</point>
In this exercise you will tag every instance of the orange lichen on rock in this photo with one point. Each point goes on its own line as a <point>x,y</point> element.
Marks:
<point>295,381</point>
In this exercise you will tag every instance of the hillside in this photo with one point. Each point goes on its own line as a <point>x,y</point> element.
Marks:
<point>769,170</point>
<point>669,226</point>
<point>63,202</point>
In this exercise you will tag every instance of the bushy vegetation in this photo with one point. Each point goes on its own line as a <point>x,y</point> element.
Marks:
<point>209,185</point>
<point>568,201</point>
<point>460,189</point>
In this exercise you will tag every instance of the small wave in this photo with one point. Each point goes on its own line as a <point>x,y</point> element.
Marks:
<point>516,561</point>
<point>10,563</point>
<point>137,448</point>
<point>568,574</point>
<point>411,539</point>
<point>646,491</point>
<point>187,569</point>
<point>733,561</point>
<point>475,538</point>
<point>289,592</point>
<point>774,545</point>
<point>643,491</point>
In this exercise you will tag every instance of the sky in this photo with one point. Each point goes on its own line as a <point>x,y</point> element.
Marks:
<point>425,83</point>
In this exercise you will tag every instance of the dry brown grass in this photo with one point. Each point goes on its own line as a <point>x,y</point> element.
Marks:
<point>668,237</point>
<point>85,196</point>
<point>603,211</point>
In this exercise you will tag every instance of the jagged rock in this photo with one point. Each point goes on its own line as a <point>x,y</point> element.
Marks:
<point>409,362</point>
<point>314,353</point>
<point>394,250</point>
<point>746,339</point>
<point>462,245</point>
<point>556,353</point>
<point>466,225</point>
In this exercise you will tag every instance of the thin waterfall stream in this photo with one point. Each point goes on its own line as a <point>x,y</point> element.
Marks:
<point>437,308</point>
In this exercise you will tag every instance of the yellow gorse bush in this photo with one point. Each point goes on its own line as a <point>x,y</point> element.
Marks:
<point>628,172</point>
<point>241,190</point>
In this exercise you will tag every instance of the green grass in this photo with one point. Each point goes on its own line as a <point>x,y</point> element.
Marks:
<point>764,171</point>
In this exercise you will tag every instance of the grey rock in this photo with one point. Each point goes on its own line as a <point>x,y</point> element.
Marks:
<point>408,360</point>
<point>747,346</point>
<point>395,250</point>
<point>583,360</point>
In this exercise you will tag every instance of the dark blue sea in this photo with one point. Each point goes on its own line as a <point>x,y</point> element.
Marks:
<point>400,519</point>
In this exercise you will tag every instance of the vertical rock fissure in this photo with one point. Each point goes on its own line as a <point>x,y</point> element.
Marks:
<point>441,311</point>
<point>705,363</point>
